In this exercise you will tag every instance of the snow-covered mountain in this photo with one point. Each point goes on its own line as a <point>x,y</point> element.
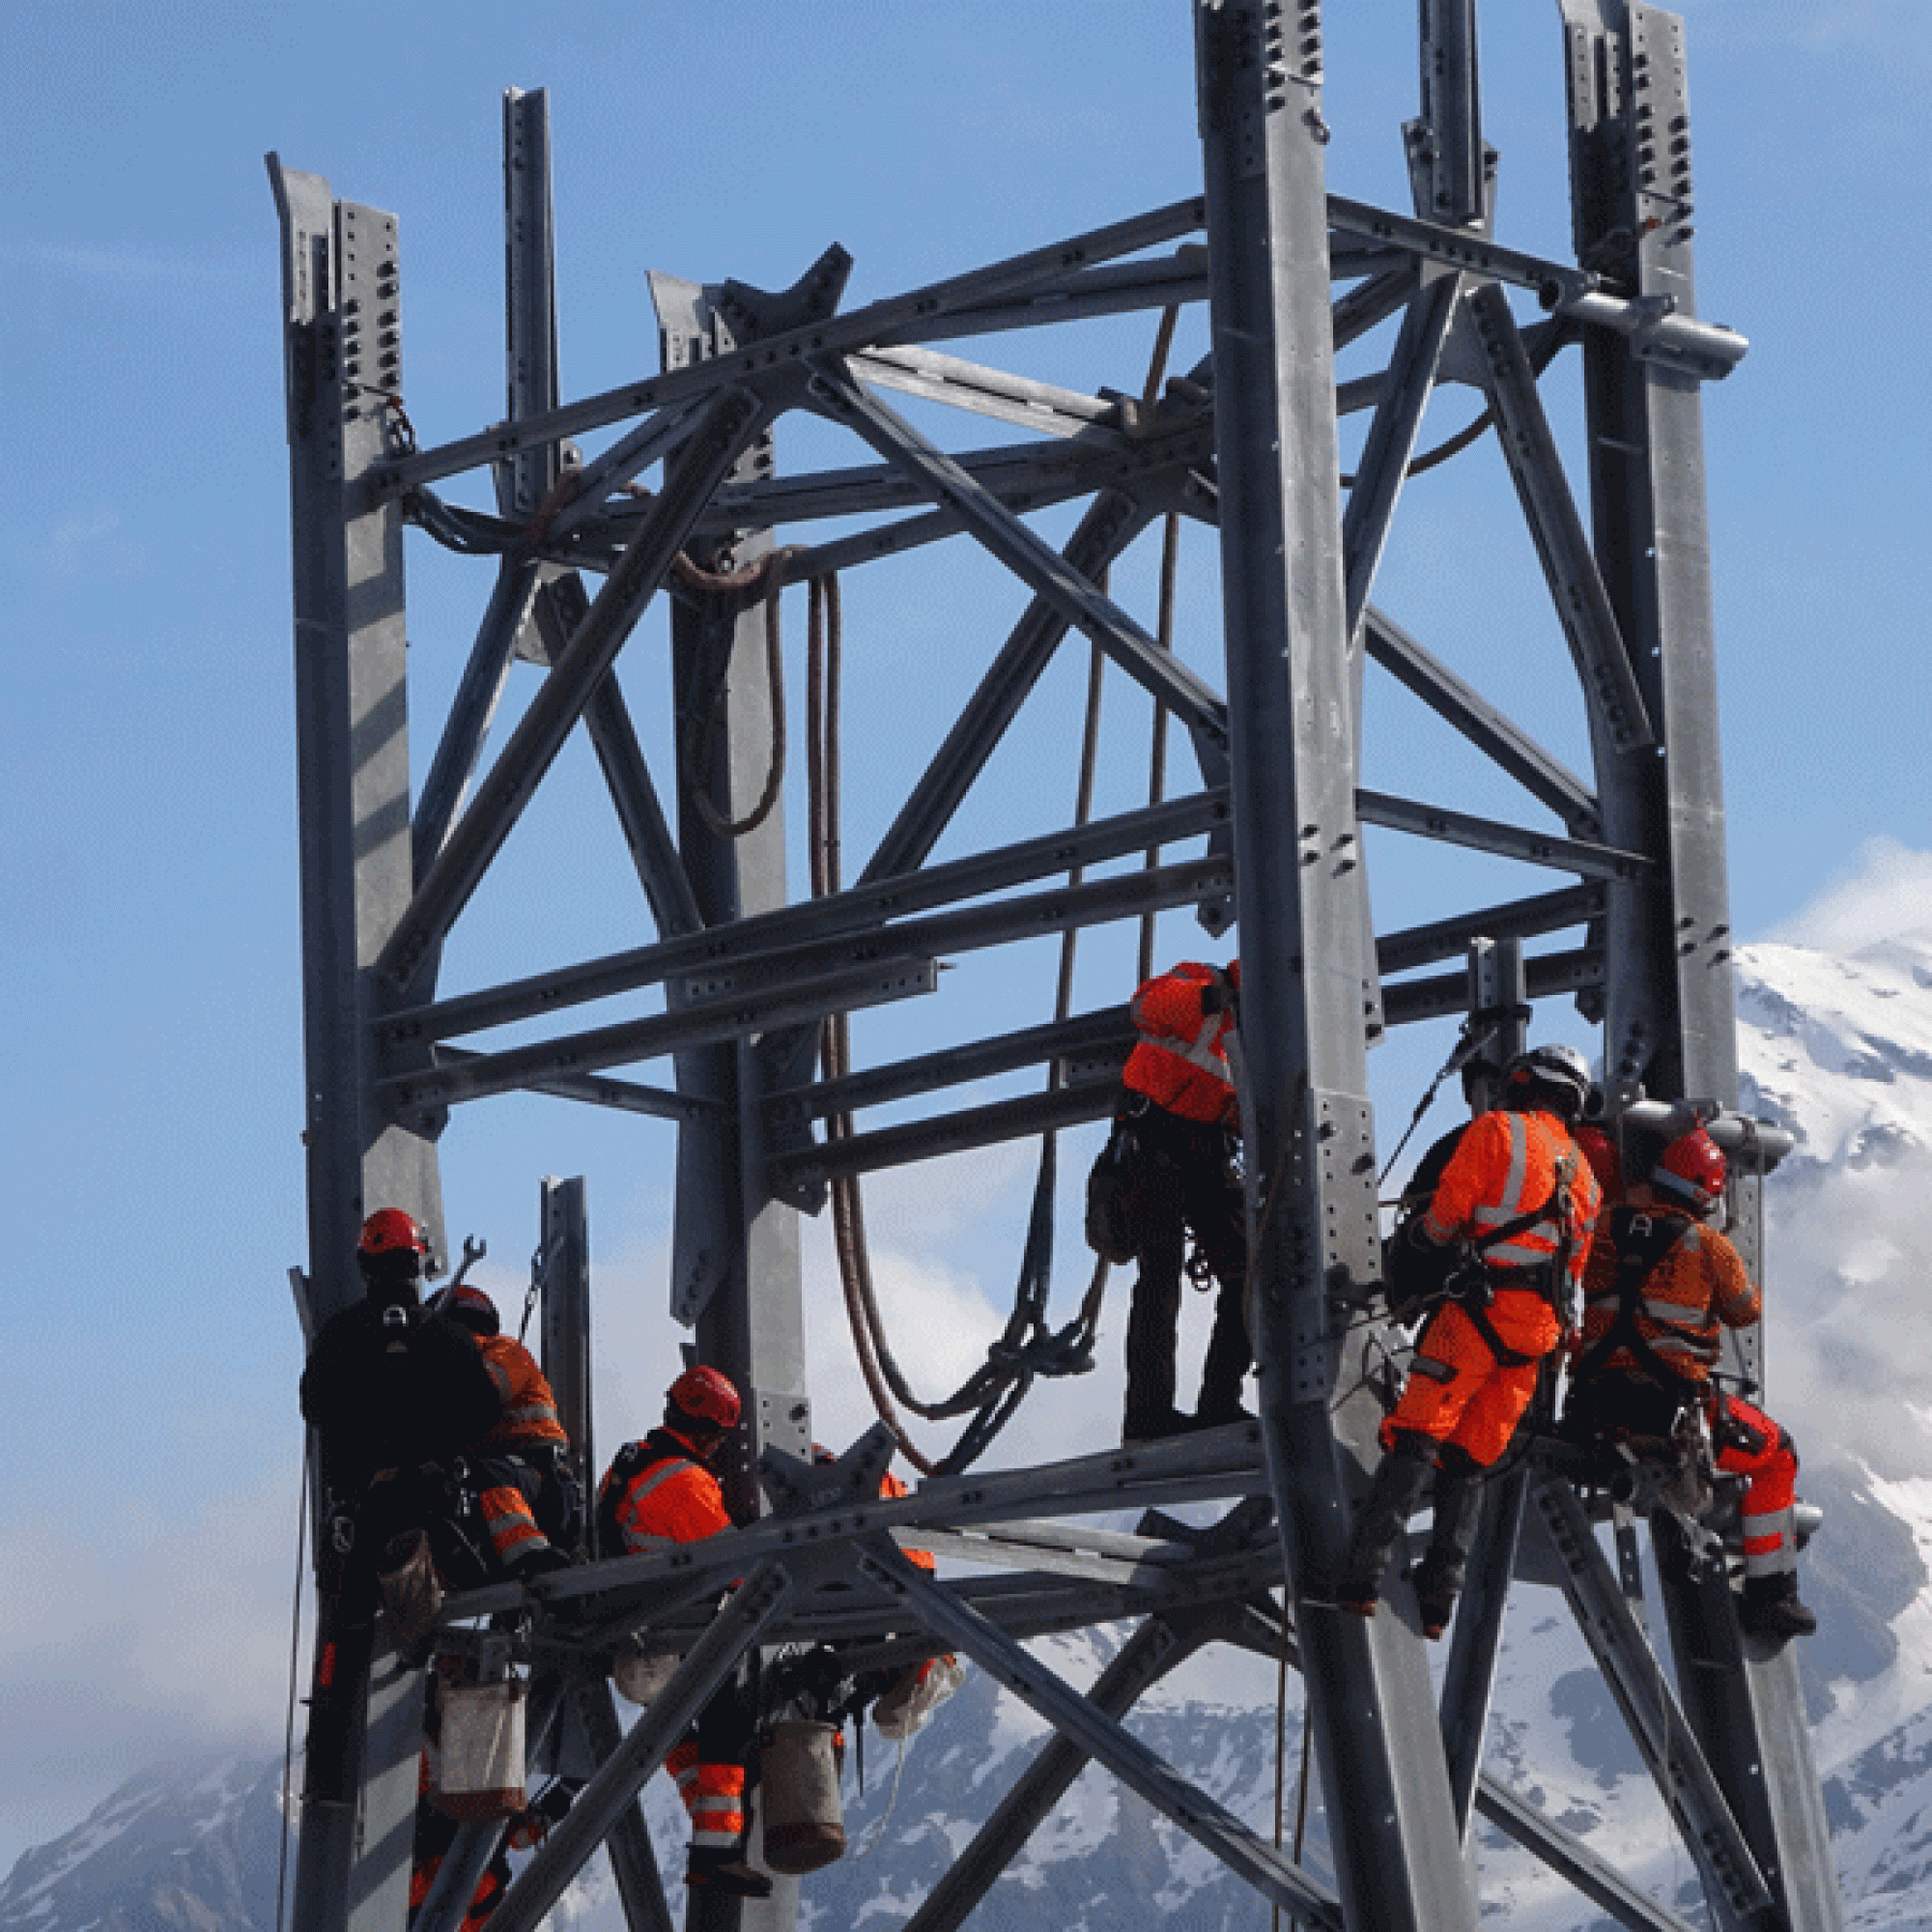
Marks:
<point>1838,1049</point>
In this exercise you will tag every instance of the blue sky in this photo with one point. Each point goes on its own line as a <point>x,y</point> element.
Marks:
<point>148,936</point>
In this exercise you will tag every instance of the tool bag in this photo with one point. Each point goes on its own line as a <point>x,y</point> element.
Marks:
<point>411,1590</point>
<point>1110,1232</point>
<point>797,1787</point>
<point>481,1774</point>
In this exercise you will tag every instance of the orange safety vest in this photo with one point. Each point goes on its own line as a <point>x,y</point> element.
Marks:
<point>1506,1168</point>
<point>1180,1062</point>
<point>655,1496</point>
<point>891,1488</point>
<point>1699,1282</point>
<point>529,1406</point>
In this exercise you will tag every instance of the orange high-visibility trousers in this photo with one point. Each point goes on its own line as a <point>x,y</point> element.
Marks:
<point>1458,1392</point>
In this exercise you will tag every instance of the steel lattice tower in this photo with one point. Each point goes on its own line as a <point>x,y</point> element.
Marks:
<point>749,966</point>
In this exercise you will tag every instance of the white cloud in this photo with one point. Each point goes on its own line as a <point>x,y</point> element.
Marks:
<point>170,1635</point>
<point>1849,1324</point>
<point>1884,894</point>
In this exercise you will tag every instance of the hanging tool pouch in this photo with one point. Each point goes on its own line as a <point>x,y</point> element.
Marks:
<point>1110,1231</point>
<point>803,1820</point>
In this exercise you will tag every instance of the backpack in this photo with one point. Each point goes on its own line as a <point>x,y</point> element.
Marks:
<point>1110,1231</point>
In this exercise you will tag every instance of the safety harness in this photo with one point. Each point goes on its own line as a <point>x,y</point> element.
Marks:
<point>1642,1242</point>
<point>1473,1288</point>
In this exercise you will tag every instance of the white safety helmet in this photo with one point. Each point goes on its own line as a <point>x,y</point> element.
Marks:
<point>1559,1069</point>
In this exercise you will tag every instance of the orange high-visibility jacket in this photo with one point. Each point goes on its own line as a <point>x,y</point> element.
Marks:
<point>529,1406</point>
<point>1506,1167</point>
<point>670,1496</point>
<point>1700,1283</point>
<point>1180,1062</point>
<point>891,1487</point>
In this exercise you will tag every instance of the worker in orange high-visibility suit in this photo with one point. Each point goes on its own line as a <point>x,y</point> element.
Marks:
<point>659,1490</point>
<point>1519,1192</point>
<point>1660,1283</point>
<point>1175,1130</point>
<point>532,1508</point>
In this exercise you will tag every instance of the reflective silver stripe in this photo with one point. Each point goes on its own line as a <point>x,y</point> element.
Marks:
<point>646,1484</point>
<point>1781,1556</point>
<point>1206,1051</point>
<point>1685,1344</point>
<point>534,1411</point>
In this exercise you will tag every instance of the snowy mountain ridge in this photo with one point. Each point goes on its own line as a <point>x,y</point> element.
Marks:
<point>1838,1049</point>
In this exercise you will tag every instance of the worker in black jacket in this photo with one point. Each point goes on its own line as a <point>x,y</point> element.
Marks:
<point>395,1394</point>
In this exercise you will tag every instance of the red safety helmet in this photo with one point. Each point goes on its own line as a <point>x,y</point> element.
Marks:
<point>388,1229</point>
<point>1601,1152</point>
<point>472,1307</point>
<point>706,1396</point>
<point>394,1247</point>
<point>1691,1169</point>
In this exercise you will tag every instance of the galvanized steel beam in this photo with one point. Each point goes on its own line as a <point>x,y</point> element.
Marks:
<point>1303,920</point>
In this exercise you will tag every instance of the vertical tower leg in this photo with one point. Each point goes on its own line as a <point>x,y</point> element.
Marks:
<point>1309,1134</point>
<point>341,331</point>
<point>736,1267</point>
<point>1671,1020</point>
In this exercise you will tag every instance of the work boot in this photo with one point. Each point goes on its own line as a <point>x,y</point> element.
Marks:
<point>1770,1608</point>
<point>1381,1518</point>
<point>1458,1507</point>
<point>725,1871</point>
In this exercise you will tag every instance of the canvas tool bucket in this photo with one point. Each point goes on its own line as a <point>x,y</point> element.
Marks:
<point>805,1823</point>
<point>481,1776</point>
<point>640,1678</point>
<point>411,1591</point>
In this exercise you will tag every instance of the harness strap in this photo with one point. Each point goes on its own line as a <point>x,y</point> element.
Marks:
<point>1506,1356</point>
<point>1643,1243</point>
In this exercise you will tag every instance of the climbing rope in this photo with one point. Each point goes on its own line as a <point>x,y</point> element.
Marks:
<point>1028,1347</point>
<point>1477,1031</point>
<point>767,575</point>
<point>993,1392</point>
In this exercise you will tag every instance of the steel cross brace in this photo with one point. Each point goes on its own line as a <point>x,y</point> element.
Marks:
<point>1102,1737</point>
<point>1733,1883</point>
<point>865,327</point>
<point>1460,705</point>
<point>1576,583</point>
<point>632,1861</point>
<point>734,1017</point>
<point>837,394</point>
<point>561,607</point>
<point>761,937</point>
<point>1391,442</point>
<point>611,1793</point>
<point>733,421</point>
<point>1156,1649</point>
